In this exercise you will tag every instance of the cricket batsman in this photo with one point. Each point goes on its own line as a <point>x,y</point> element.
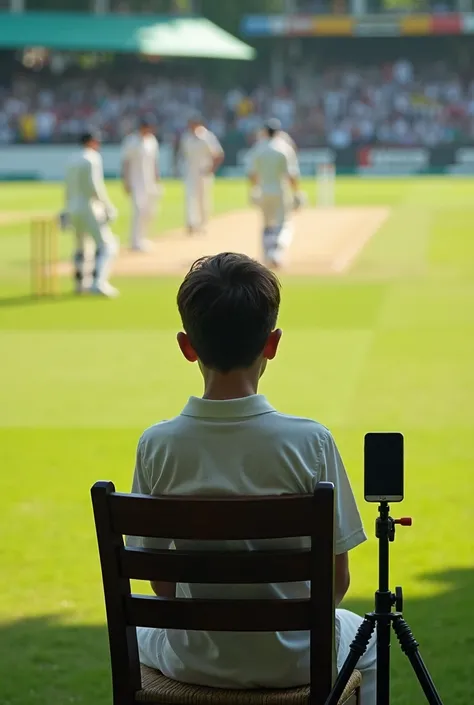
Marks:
<point>88,211</point>
<point>274,177</point>
<point>141,177</point>
<point>201,155</point>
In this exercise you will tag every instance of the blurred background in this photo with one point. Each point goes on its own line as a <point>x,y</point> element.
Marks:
<point>362,78</point>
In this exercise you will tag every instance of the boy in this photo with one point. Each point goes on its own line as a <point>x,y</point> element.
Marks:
<point>232,441</point>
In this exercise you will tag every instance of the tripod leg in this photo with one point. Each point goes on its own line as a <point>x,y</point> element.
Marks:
<point>356,650</point>
<point>383,659</point>
<point>409,647</point>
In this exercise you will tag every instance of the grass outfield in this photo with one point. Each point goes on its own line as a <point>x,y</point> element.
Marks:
<point>389,346</point>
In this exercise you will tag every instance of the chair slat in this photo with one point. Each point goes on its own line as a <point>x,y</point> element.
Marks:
<point>218,615</point>
<point>235,567</point>
<point>217,518</point>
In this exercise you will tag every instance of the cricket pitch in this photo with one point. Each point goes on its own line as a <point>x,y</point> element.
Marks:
<point>326,241</point>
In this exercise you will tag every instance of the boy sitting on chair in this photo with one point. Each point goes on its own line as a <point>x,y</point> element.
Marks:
<point>230,442</point>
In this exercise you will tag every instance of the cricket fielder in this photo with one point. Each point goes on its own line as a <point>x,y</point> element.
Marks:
<point>274,177</point>
<point>201,154</point>
<point>263,135</point>
<point>141,175</point>
<point>89,211</point>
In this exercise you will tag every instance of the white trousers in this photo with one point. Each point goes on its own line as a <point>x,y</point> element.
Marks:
<point>277,228</point>
<point>347,624</point>
<point>198,199</point>
<point>143,212</point>
<point>92,222</point>
<point>154,651</point>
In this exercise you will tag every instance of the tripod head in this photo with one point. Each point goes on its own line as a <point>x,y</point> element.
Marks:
<point>385,533</point>
<point>385,525</point>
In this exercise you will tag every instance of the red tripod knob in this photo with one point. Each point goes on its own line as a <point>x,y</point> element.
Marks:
<point>404,521</point>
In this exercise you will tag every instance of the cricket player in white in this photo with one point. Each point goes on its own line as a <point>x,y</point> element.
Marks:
<point>89,211</point>
<point>274,176</point>
<point>140,174</point>
<point>263,135</point>
<point>201,154</point>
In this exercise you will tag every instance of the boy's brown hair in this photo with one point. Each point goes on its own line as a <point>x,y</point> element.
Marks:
<point>229,305</point>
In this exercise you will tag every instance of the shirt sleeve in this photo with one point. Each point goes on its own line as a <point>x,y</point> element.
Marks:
<point>98,181</point>
<point>91,176</point>
<point>214,145</point>
<point>289,140</point>
<point>141,485</point>
<point>349,529</point>
<point>292,163</point>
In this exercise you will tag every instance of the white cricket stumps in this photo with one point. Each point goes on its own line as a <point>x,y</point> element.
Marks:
<point>325,184</point>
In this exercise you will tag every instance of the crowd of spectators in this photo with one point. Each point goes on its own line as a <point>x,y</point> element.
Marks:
<point>390,104</point>
<point>393,104</point>
<point>61,112</point>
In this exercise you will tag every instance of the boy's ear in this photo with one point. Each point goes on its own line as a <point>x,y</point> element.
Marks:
<point>186,347</point>
<point>271,346</point>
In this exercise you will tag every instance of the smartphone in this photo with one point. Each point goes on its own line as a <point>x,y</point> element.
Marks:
<point>383,467</point>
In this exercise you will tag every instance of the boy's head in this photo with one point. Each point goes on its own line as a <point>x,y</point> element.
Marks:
<point>229,308</point>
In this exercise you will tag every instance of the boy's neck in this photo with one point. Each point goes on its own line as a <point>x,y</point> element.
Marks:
<point>235,385</point>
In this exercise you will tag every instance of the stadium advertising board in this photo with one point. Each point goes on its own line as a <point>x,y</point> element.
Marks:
<point>404,161</point>
<point>48,162</point>
<point>381,25</point>
<point>388,160</point>
<point>382,161</point>
<point>463,161</point>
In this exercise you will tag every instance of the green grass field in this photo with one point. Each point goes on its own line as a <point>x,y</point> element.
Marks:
<point>389,346</point>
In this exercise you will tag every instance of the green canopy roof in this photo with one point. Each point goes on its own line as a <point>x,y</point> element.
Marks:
<point>140,34</point>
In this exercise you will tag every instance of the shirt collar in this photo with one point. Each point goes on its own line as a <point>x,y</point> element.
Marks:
<point>254,405</point>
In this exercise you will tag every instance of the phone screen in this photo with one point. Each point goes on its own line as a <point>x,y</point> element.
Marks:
<point>383,467</point>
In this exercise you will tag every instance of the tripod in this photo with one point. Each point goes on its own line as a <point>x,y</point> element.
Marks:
<point>382,620</point>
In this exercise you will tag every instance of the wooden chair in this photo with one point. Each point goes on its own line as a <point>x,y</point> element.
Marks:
<point>207,519</point>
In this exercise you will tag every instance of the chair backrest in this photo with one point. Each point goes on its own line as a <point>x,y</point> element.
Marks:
<point>216,519</point>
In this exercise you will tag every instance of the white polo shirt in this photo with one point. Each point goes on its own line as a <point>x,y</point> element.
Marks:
<point>222,448</point>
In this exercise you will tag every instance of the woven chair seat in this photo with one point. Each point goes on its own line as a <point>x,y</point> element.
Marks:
<point>157,688</point>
